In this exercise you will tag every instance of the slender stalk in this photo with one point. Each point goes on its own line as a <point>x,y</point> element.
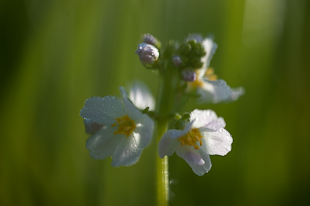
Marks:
<point>162,181</point>
<point>164,109</point>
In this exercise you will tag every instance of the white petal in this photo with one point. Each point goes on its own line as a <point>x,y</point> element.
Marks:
<point>169,142</point>
<point>210,47</point>
<point>144,130</point>
<point>217,143</point>
<point>236,93</point>
<point>201,170</point>
<point>102,110</point>
<point>190,155</point>
<point>91,127</point>
<point>198,160</point>
<point>130,109</point>
<point>141,96</point>
<point>127,152</point>
<point>216,124</point>
<point>218,91</point>
<point>104,143</point>
<point>207,119</point>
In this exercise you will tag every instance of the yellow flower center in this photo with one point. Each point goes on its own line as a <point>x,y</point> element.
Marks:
<point>125,125</point>
<point>210,74</point>
<point>195,84</point>
<point>191,137</point>
<point>198,83</point>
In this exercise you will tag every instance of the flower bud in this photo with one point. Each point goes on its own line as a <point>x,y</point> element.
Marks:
<point>185,49</point>
<point>177,61</point>
<point>182,122</point>
<point>195,62</point>
<point>150,39</point>
<point>148,54</point>
<point>189,75</point>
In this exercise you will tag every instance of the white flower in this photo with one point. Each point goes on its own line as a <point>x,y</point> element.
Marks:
<point>141,96</point>
<point>207,86</point>
<point>203,136</point>
<point>124,132</point>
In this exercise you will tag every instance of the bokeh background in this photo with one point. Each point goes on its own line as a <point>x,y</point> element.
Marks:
<point>54,54</point>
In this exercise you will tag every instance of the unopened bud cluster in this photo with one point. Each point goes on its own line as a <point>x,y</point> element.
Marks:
<point>185,57</point>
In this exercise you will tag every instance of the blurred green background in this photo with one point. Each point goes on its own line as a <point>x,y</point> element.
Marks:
<point>54,54</point>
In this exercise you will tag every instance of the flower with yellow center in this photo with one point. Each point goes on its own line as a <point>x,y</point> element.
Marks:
<point>204,135</point>
<point>206,85</point>
<point>118,132</point>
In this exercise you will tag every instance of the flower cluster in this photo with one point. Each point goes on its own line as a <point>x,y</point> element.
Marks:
<point>204,135</point>
<point>123,130</point>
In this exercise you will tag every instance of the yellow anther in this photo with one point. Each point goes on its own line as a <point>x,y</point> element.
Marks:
<point>191,138</point>
<point>197,138</point>
<point>125,125</point>
<point>198,83</point>
<point>210,74</point>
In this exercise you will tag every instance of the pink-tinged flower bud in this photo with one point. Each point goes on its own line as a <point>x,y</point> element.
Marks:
<point>177,61</point>
<point>148,54</point>
<point>150,39</point>
<point>189,75</point>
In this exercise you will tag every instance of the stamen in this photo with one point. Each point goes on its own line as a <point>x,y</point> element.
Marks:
<point>191,138</point>
<point>125,125</point>
<point>210,74</point>
<point>196,84</point>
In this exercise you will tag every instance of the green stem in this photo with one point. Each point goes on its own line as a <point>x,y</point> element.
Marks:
<point>162,181</point>
<point>164,109</point>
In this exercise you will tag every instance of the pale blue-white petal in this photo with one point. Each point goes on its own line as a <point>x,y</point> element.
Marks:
<point>102,110</point>
<point>210,48</point>
<point>217,143</point>
<point>236,93</point>
<point>190,155</point>
<point>104,143</point>
<point>127,153</point>
<point>91,127</point>
<point>130,109</point>
<point>218,91</point>
<point>169,142</point>
<point>207,119</point>
<point>141,96</point>
<point>198,160</point>
<point>201,170</point>
<point>216,124</point>
<point>144,130</point>
<point>202,117</point>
